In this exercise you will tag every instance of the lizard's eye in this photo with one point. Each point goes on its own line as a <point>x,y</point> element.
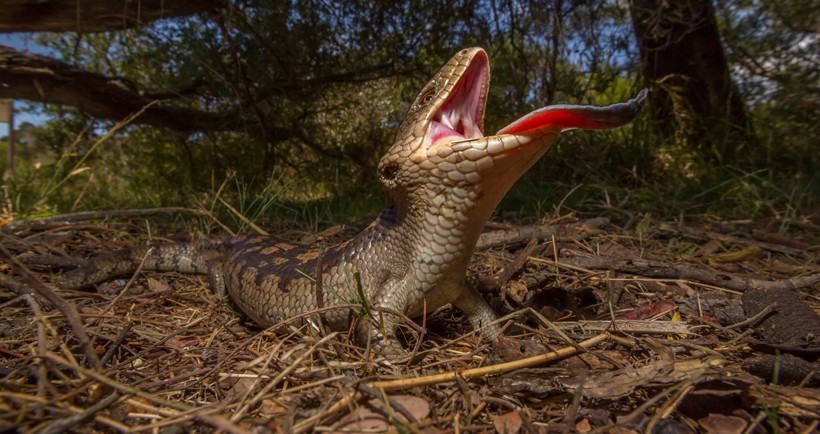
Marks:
<point>427,97</point>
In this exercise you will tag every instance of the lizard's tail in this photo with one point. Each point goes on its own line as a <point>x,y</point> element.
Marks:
<point>194,257</point>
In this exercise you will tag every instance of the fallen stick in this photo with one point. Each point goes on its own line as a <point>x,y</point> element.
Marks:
<point>629,326</point>
<point>664,270</point>
<point>520,234</point>
<point>466,374</point>
<point>64,219</point>
<point>698,234</point>
<point>69,311</point>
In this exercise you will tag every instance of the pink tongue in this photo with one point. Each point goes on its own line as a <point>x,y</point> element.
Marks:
<point>439,132</point>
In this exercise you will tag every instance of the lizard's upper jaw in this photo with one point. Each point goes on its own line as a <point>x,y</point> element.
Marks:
<point>461,116</point>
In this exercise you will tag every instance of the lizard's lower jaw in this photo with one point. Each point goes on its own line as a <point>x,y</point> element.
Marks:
<point>481,171</point>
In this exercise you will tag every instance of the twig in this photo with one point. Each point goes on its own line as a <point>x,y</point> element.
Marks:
<point>498,369</point>
<point>68,310</point>
<point>66,424</point>
<point>689,273</point>
<point>42,347</point>
<point>754,319</point>
<point>392,403</point>
<point>503,276</point>
<point>125,389</point>
<point>131,281</point>
<point>173,417</point>
<point>275,381</point>
<point>242,217</point>
<point>638,411</point>
<point>768,237</point>
<point>467,374</point>
<point>168,382</point>
<point>95,215</point>
<point>670,405</point>
<point>117,342</point>
<point>515,235</point>
<point>628,326</point>
<point>700,235</point>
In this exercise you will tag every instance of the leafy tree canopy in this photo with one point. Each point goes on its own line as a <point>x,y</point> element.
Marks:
<point>313,91</point>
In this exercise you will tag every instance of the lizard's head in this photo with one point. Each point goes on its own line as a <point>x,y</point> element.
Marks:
<point>443,166</point>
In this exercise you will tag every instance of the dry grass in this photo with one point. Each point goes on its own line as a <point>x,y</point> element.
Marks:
<point>172,355</point>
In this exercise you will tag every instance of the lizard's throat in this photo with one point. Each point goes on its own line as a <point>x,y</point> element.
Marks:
<point>436,230</point>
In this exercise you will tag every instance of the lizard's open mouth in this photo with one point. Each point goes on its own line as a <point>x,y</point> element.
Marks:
<point>462,114</point>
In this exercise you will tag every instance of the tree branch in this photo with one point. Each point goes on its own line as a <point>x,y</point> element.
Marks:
<point>37,78</point>
<point>42,79</point>
<point>90,16</point>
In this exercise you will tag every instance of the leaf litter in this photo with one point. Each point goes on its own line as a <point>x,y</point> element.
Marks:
<point>696,326</point>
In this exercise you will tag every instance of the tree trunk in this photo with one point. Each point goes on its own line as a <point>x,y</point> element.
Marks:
<point>694,100</point>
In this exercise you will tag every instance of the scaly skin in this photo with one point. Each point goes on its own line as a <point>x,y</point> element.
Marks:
<point>443,177</point>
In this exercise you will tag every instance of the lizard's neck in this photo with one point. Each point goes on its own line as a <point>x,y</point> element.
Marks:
<point>435,234</point>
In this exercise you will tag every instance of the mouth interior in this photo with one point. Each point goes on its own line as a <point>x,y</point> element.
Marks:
<point>461,115</point>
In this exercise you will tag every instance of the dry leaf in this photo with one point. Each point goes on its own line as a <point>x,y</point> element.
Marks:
<point>508,423</point>
<point>155,285</point>
<point>137,405</point>
<point>271,408</point>
<point>536,382</point>
<point>648,311</point>
<point>592,362</point>
<point>722,424</point>
<point>583,426</point>
<point>517,291</point>
<point>614,384</point>
<point>364,419</point>
<point>184,341</point>
<point>506,349</point>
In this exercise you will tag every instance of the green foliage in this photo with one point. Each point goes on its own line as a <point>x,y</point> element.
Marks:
<point>322,86</point>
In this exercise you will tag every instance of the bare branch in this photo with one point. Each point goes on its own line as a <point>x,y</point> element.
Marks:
<point>37,78</point>
<point>42,79</point>
<point>90,16</point>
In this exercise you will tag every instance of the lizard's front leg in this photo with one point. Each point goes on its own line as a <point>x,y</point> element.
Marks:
<point>477,311</point>
<point>386,306</point>
<point>380,332</point>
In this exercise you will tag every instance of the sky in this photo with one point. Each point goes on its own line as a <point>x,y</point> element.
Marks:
<point>22,42</point>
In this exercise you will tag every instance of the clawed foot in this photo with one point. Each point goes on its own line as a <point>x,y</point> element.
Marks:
<point>382,339</point>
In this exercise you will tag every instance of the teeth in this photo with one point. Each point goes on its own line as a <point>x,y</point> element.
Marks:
<point>457,118</point>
